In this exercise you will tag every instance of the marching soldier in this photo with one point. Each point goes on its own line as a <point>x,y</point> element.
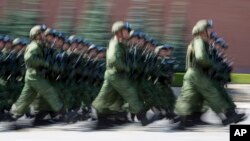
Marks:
<point>35,83</point>
<point>166,67</point>
<point>1,43</point>
<point>197,86</point>
<point>101,55</point>
<point>7,45</point>
<point>117,89</point>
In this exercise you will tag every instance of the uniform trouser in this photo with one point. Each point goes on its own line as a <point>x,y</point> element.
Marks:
<point>166,96</point>
<point>15,89</point>
<point>94,91</point>
<point>75,96</point>
<point>115,92</point>
<point>80,95</point>
<point>147,93</point>
<point>30,91</point>
<point>197,88</point>
<point>3,95</point>
<point>9,92</point>
<point>65,94</point>
<point>223,92</point>
<point>156,95</point>
<point>86,92</point>
<point>41,105</point>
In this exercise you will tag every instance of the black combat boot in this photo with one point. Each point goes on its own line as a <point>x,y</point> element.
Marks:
<point>40,119</point>
<point>132,117</point>
<point>121,118</point>
<point>196,117</point>
<point>142,116</point>
<point>8,116</point>
<point>84,113</point>
<point>70,116</point>
<point>185,121</point>
<point>11,121</point>
<point>171,115</point>
<point>104,122</point>
<point>231,116</point>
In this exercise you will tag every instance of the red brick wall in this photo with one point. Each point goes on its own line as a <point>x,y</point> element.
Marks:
<point>50,11</point>
<point>231,20</point>
<point>119,9</point>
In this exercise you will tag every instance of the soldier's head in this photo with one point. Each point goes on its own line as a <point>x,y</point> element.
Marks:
<point>1,42</point>
<point>221,45</point>
<point>73,42</point>
<point>118,29</point>
<point>17,44</point>
<point>155,43</point>
<point>92,51</point>
<point>36,33</point>
<point>81,47</point>
<point>126,30</point>
<point>44,27</point>
<point>164,50</point>
<point>151,44</point>
<point>66,44</point>
<point>25,42</point>
<point>142,39</point>
<point>50,35</point>
<point>101,53</point>
<point>60,40</point>
<point>8,42</point>
<point>213,36</point>
<point>56,38</point>
<point>202,29</point>
<point>86,45</point>
<point>134,37</point>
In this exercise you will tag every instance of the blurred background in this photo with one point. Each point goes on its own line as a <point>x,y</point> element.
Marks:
<point>169,21</point>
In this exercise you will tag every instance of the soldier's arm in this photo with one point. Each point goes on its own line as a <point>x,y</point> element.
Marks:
<point>201,55</point>
<point>34,59</point>
<point>116,57</point>
<point>120,62</point>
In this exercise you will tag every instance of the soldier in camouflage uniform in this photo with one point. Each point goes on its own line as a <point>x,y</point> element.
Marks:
<point>8,45</point>
<point>220,74</point>
<point>1,42</point>
<point>138,55</point>
<point>197,85</point>
<point>2,82</point>
<point>166,66</point>
<point>35,83</point>
<point>40,106</point>
<point>117,88</point>
<point>91,90</point>
<point>15,79</point>
<point>7,59</point>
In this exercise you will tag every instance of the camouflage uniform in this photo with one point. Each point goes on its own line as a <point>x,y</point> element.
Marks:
<point>197,86</point>
<point>34,82</point>
<point>117,87</point>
